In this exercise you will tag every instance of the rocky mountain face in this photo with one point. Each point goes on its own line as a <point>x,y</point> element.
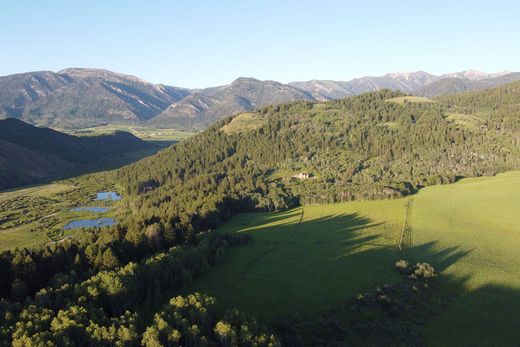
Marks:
<point>452,85</point>
<point>418,83</point>
<point>18,91</point>
<point>244,94</point>
<point>79,98</point>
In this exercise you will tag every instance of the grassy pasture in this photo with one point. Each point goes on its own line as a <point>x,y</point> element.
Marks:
<point>314,257</point>
<point>21,237</point>
<point>18,225</point>
<point>469,122</point>
<point>308,258</point>
<point>401,100</point>
<point>145,133</point>
<point>243,123</point>
<point>39,190</point>
<point>481,217</point>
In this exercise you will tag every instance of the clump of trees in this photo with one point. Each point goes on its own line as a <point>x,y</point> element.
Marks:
<point>192,320</point>
<point>103,309</point>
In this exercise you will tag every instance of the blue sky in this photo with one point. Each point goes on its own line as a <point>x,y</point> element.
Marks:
<point>206,43</point>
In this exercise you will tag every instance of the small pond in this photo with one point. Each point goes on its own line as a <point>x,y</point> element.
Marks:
<point>108,196</point>
<point>90,223</point>
<point>90,209</point>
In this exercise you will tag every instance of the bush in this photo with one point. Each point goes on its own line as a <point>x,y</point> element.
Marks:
<point>423,270</point>
<point>402,265</point>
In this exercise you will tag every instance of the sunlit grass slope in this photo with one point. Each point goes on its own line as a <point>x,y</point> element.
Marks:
<point>470,231</point>
<point>481,217</point>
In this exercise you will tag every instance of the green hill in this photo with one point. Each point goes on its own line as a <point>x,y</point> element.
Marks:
<point>318,257</point>
<point>29,154</point>
<point>355,148</point>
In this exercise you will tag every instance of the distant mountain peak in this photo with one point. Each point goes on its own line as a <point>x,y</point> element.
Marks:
<point>99,73</point>
<point>475,75</point>
<point>245,79</point>
<point>408,75</point>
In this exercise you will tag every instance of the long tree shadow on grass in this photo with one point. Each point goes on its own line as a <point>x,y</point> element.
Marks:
<point>305,264</point>
<point>307,267</point>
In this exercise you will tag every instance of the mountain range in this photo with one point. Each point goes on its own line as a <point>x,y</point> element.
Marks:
<point>78,98</point>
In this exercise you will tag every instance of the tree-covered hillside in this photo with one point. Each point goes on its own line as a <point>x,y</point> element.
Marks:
<point>376,145</point>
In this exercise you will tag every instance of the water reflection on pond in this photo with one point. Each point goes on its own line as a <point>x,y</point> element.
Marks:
<point>94,223</point>
<point>90,223</point>
<point>90,209</point>
<point>108,196</point>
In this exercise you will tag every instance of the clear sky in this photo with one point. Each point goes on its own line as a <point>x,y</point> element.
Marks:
<point>206,43</point>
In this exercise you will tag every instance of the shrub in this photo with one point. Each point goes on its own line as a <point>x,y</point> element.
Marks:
<point>402,265</point>
<point>423,270</point>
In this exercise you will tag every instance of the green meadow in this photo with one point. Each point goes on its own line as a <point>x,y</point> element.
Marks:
<point>155,135</point>
<point>478,219</point>
<point>401,100</point>
<point>312,258</point>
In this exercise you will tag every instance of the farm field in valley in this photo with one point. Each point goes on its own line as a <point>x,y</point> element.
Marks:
<point>157,136</point>
<point>312,258</point>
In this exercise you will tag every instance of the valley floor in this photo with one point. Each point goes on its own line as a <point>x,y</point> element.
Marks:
<point>34,216</point>
<point>311,258</point>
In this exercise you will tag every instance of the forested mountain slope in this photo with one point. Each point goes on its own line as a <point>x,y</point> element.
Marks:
<point>29,154</point>
<point>376,145</point>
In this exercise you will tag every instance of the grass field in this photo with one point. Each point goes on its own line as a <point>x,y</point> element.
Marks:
<point>481,218</point>
<point>308,258</point>
<point>17,224</point>
<point>411,99</point>
<point>469,122</point>
<point>243,123</point>
<point>144,133</point>
<point>39,190</point>
<point>312,258</point>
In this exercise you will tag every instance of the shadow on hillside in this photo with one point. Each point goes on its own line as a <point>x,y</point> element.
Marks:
<point>488,315</point>
<point>350,248</point>
<point>327,226</point>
